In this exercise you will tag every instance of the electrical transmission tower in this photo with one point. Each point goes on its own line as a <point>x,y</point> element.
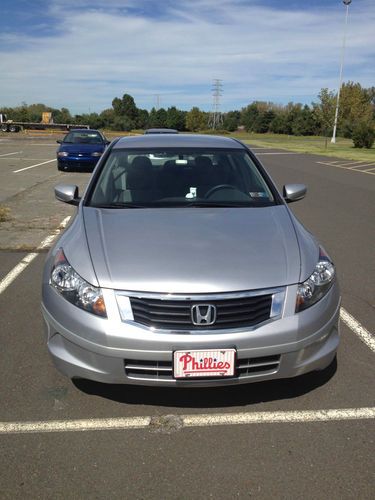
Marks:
<point>157,99</point>
<point>216,118</point>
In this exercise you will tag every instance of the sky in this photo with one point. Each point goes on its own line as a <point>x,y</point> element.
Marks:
<point>80,54</point>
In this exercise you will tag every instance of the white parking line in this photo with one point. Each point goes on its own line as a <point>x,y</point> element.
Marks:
<point>31,144</point>
<point>358,329</point>
<point>22,159</point>
<point>16,271</point>
<point>8,154</point>
<point>180,421</point>
<point>32,166</point>
<point>352,169</point>
<point>362,165</point>
<point>350,163</point>
<point>21,266</point>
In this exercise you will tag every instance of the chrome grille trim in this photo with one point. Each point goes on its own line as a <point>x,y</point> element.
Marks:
<point>163,370</point>
<point>200,296</point>
<point>154,370</point>
<point>252,366</point>
<point>140,316</point>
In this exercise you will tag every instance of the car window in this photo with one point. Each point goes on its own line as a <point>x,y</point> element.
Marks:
<point>185,177</point>
<point>83,137</point>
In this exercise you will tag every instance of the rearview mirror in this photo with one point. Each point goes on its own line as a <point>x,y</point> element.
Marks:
<point>67,193</point>
<point>294,192</point>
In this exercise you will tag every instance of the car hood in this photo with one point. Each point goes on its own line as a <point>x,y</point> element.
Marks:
<point>81,148</point>
<point>192,250</point>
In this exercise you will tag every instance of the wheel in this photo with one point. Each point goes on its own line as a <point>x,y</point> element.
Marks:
<point>4,127</point>
<point>13,128</point>
<point>217,188</point>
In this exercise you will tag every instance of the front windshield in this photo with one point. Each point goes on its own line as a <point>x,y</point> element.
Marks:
<point>168,177</point>
<point>83,136</point>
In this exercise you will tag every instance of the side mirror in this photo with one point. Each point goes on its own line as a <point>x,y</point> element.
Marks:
<point>67,193</point>
<point>294,192</point>
<point>107,143</point>
<point>59,141</point>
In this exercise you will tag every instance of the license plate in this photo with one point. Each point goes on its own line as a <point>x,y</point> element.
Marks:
<point>209,363</point>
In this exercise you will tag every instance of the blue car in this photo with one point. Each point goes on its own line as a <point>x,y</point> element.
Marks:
<point>80,150</point>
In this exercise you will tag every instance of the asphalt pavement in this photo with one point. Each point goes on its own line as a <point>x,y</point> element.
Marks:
<point>307,457</point>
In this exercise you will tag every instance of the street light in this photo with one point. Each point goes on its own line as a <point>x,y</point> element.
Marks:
<point>346,3</point>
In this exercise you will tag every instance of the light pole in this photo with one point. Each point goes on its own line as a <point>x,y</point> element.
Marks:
<point>346,3</point>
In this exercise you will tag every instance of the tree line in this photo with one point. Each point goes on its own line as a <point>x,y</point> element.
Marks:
<point>356,116</point>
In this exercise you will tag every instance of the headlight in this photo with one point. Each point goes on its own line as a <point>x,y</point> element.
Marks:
<point>62,153</point>
<point>75,289</point>
<point>318,284</point>
<point>96,153</point>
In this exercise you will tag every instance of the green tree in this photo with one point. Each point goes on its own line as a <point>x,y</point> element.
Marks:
<point>363,134</point>
<point>249,116</point>
<point>62,116</point>
<point>157,118</point>
<point>304,122</point>
<point>91,119</point>
<point>196,120</point>
<point>263,121</point>
<point>107,116</point>
<point>142,118</point>
<point>231,120</point>
<point>355,107</point>
<point>279,124</point>
<point>175,118</point>
<point>125,107</point>
<point>324,111</point>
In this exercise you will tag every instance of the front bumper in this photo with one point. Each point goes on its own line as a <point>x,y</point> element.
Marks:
<point>109,350</point>
<point>85,163</point>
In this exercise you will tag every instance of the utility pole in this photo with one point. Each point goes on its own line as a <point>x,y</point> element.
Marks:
<point>346,3</point>
<point>216,118</point>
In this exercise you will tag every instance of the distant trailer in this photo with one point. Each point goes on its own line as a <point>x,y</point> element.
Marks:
<point>13,126</point>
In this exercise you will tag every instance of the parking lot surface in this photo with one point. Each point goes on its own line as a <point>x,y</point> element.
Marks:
<point>303,448</point>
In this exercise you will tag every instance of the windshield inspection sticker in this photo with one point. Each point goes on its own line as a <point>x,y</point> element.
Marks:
<point>260,194</point>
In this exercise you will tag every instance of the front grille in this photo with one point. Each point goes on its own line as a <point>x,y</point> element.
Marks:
<point>176,314</point>
<point>162,370</point>
<point>252,366</point>
<point>80,163</point>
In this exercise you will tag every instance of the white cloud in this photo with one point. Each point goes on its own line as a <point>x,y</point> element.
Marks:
<point>259,52</point>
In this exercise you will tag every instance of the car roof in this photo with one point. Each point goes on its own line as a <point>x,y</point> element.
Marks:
<point>178,141</point>
<point>88,130</point>
<point>161,131</point>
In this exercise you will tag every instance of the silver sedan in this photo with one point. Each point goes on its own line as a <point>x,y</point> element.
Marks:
<point>184,266</point>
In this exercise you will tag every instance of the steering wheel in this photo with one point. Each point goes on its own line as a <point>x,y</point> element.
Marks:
<point>217,188</point>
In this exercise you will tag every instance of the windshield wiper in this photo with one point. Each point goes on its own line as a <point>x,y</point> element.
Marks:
<point>217,204</point>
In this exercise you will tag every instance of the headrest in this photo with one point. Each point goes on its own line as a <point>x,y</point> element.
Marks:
<point>140,174</point>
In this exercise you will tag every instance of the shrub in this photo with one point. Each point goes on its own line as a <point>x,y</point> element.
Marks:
<point>363,135</point>
<point>4,213</point>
